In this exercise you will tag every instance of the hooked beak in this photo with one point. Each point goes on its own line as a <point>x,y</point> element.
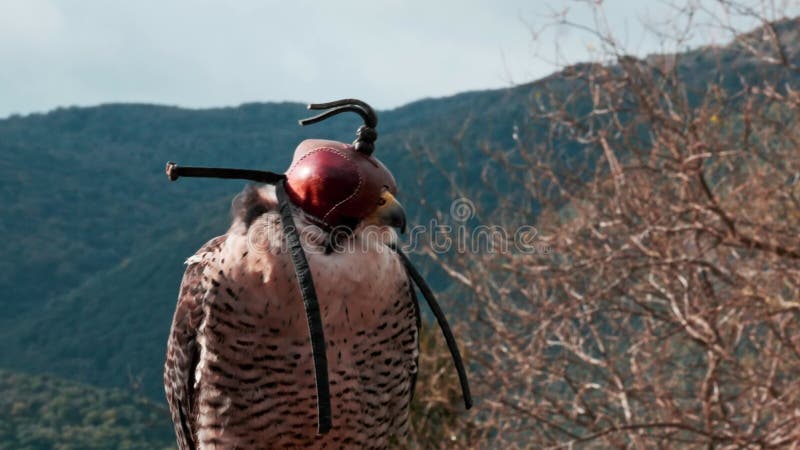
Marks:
<point>390,213</point>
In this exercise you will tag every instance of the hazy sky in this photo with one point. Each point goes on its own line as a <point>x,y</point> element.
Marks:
<point>200,53</point>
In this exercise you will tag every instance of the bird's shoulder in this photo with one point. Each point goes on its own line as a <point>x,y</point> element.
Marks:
<point>195,283</point>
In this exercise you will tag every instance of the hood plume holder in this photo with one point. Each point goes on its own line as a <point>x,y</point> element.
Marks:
<point>366,134</point>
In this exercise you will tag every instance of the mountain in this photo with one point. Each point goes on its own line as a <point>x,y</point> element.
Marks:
<point>95,236</point>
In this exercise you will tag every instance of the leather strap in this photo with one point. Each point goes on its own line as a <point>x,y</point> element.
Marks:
<point>262,176</point>
<point>443,325</point>
<point>315,331</point>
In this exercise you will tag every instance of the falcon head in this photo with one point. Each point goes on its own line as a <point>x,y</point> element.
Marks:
<point>340,186</point>
<point>344,184</point>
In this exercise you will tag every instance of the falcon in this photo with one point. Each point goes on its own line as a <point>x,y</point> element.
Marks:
<point>299,327</point>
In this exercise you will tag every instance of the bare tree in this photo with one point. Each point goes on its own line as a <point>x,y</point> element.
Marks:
<point>667,314</point>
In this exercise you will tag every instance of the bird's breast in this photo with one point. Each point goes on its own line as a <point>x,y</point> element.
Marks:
<point>256,378</point>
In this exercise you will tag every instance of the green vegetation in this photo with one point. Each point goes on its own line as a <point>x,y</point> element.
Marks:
<point>41,412</point>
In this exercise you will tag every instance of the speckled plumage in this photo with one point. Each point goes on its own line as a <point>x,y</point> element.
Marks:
<point>239,372</point>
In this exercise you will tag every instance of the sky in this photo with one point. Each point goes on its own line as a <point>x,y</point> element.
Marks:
<point>204,53</point>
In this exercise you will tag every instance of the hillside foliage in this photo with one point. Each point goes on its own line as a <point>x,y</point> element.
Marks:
<point>43,413</point>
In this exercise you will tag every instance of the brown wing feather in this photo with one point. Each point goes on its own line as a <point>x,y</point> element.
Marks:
<point>413,294</point>
<point>183,351</point>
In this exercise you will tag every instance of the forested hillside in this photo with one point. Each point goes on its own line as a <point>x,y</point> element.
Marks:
<point>42,412</point>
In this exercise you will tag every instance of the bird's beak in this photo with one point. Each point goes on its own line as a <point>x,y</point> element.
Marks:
<point>390,213</point>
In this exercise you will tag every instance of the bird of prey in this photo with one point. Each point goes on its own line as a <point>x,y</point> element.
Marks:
<point>241,371</point>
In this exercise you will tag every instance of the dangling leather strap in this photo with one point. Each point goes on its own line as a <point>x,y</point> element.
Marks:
<point>315,331</point>
<point>443,325</point>
<point>301,270</point>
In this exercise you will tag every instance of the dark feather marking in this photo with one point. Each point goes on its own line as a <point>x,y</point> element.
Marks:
<point>249,205</point>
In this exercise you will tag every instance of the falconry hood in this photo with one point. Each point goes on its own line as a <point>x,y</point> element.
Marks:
<point>336,184</point>
<point>339,183</point>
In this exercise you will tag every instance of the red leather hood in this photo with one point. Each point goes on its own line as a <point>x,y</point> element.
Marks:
<point>333,182</point>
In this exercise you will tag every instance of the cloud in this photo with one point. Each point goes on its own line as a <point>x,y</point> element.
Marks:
<point>27,24</point>
<point>205,53</point>
<point>201,53</point>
